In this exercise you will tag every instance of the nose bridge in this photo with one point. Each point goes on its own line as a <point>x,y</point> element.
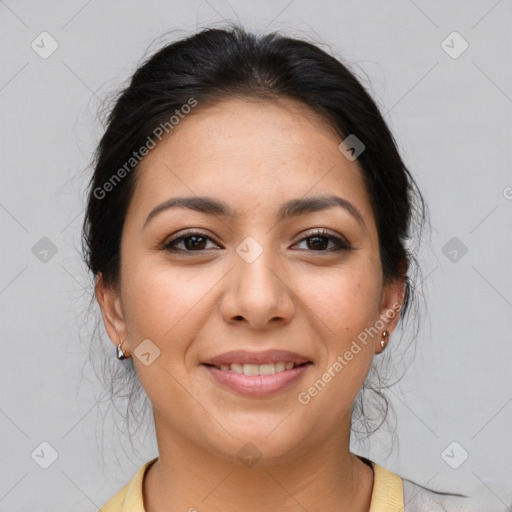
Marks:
<point>255,264</point>
<point>256,292</point>
<point>255,270</point>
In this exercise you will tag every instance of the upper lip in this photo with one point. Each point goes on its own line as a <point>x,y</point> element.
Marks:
<point>265,357</point>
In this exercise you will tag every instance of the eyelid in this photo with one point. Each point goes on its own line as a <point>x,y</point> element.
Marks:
<point>338,240</point>
<point>323,232</point>
<point>179,236</point>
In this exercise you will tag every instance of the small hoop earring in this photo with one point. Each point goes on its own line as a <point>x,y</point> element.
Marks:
<point>384,340</point>
<point>120,353</point>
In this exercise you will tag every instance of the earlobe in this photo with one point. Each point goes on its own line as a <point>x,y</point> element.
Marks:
<point>110,305</point>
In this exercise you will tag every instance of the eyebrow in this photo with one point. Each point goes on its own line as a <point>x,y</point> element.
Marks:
<point>293,208</point>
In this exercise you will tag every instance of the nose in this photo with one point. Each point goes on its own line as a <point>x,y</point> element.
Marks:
<point>257,293</point>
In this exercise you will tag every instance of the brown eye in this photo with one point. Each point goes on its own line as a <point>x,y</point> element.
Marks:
<point>193,241</point>
<point>319,242</point>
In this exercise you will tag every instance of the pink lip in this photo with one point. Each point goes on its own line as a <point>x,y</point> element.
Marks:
<point>257,385</point>
<point>267,356</point>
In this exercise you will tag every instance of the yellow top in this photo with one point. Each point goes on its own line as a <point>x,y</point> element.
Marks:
<point>387,493</point>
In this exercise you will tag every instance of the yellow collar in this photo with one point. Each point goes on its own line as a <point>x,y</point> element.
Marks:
<point>387,493</point>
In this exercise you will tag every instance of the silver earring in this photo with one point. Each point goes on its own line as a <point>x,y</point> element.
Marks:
<point>383,341</point>
<point>120,353</point>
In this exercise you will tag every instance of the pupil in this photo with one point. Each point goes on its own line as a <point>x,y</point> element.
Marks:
<point>320,242</point>
<point>195,244</point>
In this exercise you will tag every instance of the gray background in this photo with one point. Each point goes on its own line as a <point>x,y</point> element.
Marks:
<point>452,119</point>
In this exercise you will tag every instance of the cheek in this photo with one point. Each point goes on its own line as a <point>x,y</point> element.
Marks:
<point>165,304</point>
<point>346,299</point>
<point>346,305</point>
<point>165,307</point>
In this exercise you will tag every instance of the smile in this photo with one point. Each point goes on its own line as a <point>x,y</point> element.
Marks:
<point>257,380</point>
<point>258,369</point>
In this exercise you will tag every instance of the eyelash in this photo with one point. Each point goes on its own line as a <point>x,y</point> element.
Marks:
<point>341,245</point>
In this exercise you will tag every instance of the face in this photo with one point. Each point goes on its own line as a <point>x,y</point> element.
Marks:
<point>199,284</point>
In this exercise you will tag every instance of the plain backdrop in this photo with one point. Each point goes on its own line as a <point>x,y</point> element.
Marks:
<point>451,113</point>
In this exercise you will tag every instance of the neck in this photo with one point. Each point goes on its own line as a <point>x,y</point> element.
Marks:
<point>188,477</point>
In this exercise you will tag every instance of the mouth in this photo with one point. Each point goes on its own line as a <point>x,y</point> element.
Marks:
<point>258,369</point>
<point>273,357</point>
<point>257,374</point>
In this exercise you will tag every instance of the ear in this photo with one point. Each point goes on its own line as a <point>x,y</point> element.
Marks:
<point>391,303</point>
<point>110,304</point>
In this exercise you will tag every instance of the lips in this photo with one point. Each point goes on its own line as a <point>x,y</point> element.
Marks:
<point>256,386</point>
<point>260,358</point>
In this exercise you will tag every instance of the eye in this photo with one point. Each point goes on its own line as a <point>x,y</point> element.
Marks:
<point>194,241</point>
<point>321,238</point>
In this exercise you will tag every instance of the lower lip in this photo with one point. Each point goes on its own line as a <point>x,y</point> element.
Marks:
<point>258,385</point>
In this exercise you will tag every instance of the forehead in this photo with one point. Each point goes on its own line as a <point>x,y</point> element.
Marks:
<point>252,154</point>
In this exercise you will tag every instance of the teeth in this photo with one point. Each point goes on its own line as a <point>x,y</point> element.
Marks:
<point>258,369</point>
<point>251,369</point>
<point>237,368</point>
<point>279,367</point>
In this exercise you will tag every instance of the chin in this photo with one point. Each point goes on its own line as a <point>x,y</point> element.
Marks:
<point>263,445</point>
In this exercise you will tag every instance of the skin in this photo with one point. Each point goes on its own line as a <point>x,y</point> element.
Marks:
<point>253,155</point>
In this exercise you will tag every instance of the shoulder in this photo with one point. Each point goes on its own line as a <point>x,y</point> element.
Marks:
<point>422,499</point>
<point>130,497</point>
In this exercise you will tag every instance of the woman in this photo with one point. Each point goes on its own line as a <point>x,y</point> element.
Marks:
<point>246,226</point>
